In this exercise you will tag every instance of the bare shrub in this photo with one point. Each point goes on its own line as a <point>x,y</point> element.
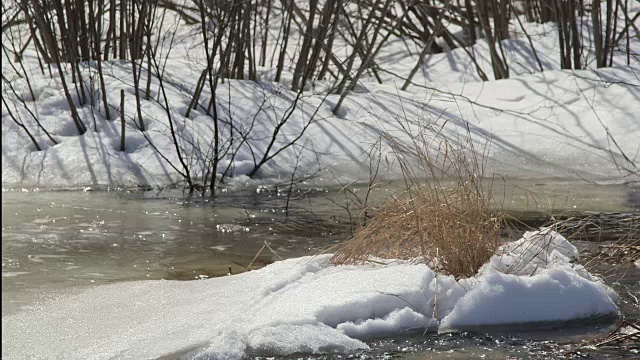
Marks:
<point>443,217</point>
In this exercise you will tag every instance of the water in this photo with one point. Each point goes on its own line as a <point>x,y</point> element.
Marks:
<point>54,242</point>
<point>58,242</point>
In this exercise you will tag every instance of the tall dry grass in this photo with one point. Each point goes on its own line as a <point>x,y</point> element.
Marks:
<point>443,216</point>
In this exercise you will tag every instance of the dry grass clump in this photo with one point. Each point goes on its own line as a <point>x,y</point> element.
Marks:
<point>442,217</point>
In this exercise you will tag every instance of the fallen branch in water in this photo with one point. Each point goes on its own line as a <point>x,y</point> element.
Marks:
<point>619,334</point>
<point>616,337</point>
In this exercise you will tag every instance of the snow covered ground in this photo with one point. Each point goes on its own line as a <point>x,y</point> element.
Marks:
<point>556,123</point>
<point>308,305</point>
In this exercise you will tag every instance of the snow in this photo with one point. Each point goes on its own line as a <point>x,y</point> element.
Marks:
<point>557,123</point>
<point>536,250</point>
<point>395,322</point>
<point>304,305</point>
<point>552,295</point>
<point>520,279</point>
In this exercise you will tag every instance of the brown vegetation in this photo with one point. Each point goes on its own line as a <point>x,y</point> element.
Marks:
<point>443,217</point>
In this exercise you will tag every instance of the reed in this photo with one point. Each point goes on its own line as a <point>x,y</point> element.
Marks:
<point>443,216</point>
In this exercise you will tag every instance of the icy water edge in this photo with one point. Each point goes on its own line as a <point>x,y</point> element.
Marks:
<point>61,242</point>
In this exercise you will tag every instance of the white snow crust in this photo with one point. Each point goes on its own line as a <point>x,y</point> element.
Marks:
<point>557,123</point>
<point>306,305</point>
<point>536,124</point>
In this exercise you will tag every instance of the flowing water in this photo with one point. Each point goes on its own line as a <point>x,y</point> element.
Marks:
<point>60,242</point>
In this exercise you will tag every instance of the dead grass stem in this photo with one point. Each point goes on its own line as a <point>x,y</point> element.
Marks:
<point>443,215</point>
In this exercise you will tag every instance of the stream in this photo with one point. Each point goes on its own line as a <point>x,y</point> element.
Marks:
<point>62,241</point>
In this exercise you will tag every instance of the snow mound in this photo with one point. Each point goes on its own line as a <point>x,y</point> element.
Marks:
<point>554,294</point>
<point>395,322</point>
<point>532,280</point>
<point>307,305</point>
<point>536,250</point>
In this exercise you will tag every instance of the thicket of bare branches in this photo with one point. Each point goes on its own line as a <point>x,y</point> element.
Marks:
<point>237,42</point>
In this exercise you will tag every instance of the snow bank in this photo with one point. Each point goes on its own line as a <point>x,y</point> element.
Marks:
<point>532,280</point>
<point>306,305</point>
<point>535,251</point>
<point>555,123</point>
<point>395,322</point>
<point>554,294</point>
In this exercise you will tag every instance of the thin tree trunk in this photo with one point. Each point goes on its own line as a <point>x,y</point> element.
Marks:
<point>134,68</point>
<point>597,32</point>
<point>122,127</point>
<point>265,37</point>
<point>83,30</point>
<point>285,37</point>
<point>497,63</point>
<point>575,36</point>
<point>359,42</point>
<point>533,48</point>
<point>424,51</point>
<point>332,35</point>
<point>470,28</point>
<point>48,33</point>
<point>613,32</point>
<point>607,35</point>
<point>96,30</point>
<point>301,66</point>
<point>366,60</point>
<point>627,23</point>
<point>320,36</point>
<point>123,30</point>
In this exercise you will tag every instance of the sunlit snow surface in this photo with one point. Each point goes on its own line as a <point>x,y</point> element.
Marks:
<point>557,123</point>
<point>307,305</point>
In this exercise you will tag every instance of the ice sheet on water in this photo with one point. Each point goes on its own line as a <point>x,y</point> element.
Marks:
<point>306,305</point>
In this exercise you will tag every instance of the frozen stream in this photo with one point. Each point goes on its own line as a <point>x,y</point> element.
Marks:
<point>59,242</point>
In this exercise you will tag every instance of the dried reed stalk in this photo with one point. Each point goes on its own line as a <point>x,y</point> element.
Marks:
<point>442,217</point>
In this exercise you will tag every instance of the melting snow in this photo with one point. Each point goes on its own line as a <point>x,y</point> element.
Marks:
<point>308,305</point>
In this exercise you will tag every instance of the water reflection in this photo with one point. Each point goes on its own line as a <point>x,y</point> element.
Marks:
<point>56,241</point>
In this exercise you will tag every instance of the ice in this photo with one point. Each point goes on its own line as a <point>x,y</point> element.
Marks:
<point>533,280</point>
<point>13,273</point>
<point>395,322</point>
<point>287,339</point>
<point>306,305</point>
<point>538,125</point>
<point>554,294</point>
